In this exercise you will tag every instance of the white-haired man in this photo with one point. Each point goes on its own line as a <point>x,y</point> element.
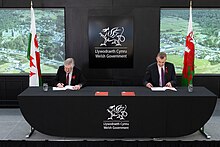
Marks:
<point>68,74</point>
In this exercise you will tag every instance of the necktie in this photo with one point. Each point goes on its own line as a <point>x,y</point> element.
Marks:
<point>67,79</point>
<point>162,77</point>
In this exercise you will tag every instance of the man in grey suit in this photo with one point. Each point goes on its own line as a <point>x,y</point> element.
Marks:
<point>160,73</point>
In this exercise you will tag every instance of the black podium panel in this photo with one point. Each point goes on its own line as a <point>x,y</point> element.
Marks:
<point>147,114</point>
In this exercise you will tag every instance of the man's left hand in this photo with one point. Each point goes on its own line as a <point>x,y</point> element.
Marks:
<point>77,87</point>
<point>168,84</point>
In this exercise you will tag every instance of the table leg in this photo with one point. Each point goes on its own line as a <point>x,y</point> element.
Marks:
<point>30,133</point>
<point>202,130</point>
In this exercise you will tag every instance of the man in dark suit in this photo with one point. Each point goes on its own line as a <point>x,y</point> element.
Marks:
<point>160,73</point>
<point>68,74</point>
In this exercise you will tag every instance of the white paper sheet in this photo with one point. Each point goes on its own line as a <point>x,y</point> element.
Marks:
<point>64,88</point>
<point>163,88</point>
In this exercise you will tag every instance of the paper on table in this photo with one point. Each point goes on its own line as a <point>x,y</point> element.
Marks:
<point>70,87</point>
<point>157,89</point>
<point>163,88</point>
<point>64,88</point>
<point>170,88</point>
<point>58,88</point>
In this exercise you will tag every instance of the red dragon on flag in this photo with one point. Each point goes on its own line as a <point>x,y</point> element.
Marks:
<point>189,54</point>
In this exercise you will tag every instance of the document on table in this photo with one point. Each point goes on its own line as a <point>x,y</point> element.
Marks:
<point>163,88</point>
<point>127,93</point>
<point>64,88</point>
<point>101,93</point>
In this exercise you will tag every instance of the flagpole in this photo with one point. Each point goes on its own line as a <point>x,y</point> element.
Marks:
<point>190,16</point>
<point>32,129</point>
<point>34,54</point>
<point>188,61</point>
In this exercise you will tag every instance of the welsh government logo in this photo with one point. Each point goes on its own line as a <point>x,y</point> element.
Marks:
<point>113,36</point>
<point>118,112</point>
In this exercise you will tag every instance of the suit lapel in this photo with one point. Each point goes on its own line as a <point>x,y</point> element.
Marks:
<point>72,80</point>
<point>157,75</point>
<point>63,76</point>
<point>166,72</point>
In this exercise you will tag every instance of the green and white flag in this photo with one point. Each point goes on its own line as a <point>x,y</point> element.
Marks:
<point>33,55</point>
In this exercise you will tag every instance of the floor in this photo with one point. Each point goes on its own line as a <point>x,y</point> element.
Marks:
<point>14,127</point>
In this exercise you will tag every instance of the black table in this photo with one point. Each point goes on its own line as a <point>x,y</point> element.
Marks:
<point>147,114</point>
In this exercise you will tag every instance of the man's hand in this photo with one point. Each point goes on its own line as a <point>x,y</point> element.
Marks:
<point>149,85</point>
<point>60,85</point>
<point>168,84</point>
<point>77,87</point>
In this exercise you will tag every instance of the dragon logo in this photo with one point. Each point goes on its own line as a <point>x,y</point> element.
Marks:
<point>117,111</point>
<point>113,36</point>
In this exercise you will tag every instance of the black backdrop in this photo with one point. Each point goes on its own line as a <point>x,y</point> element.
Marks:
<point>146,14</point>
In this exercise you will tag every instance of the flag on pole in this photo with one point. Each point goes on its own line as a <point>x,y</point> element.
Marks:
<point>189,54</point>
<point>33,55</point>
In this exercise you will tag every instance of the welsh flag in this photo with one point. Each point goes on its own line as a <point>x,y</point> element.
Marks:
<point>188,67</point>
<point>33,55</point>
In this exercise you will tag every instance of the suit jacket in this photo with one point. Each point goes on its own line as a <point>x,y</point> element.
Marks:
<point>77,77</point>
<point>152,74</point>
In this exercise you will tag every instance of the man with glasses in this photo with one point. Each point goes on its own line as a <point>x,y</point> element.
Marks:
<point>70,75</point>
